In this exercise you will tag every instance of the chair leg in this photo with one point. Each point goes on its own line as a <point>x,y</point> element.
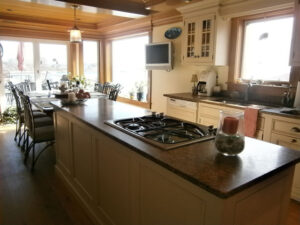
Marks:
<point>23,148</point>
<point>34,160</point>
<point>21,135</point>
<point>17,130</point>
<point>27,150</point>
<point>33,157</point>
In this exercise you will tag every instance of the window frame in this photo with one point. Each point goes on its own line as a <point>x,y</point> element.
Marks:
<point>109,75</point>
<point>237,43</point>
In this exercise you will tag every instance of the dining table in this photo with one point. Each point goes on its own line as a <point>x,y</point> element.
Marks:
<point>41,99</point>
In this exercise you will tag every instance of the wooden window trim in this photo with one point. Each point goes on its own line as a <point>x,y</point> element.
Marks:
<point>108,69</point>
<point>237,39</point>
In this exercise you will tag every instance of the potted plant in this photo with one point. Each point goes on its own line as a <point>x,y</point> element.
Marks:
<point>131,94</point>
<point>140,90</point>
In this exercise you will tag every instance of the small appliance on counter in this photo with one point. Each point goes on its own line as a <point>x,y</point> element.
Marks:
<point>206,83</point>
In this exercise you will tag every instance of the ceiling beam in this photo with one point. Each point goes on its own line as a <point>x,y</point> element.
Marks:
<point>120,5</point>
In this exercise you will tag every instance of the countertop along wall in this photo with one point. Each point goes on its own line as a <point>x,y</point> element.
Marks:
<point>178,79</point>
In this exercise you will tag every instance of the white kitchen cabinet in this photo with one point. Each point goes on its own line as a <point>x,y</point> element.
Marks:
<point>205,34</point>
<point>198,39</point>
<point>295,49</point>
<point>285,131</point>
<point>181,109</point>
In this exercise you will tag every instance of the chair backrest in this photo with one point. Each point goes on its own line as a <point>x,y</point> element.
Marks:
<point>107,87</point>
<point>114,92</point>
<point>28,115</point>
<point>17,100</point>
<point>48,84</point>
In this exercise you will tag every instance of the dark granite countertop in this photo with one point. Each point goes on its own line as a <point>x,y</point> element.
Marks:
<point>264,108</point>
<point>198,163</point>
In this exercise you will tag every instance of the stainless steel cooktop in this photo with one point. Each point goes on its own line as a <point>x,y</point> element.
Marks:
<point>162,131</point>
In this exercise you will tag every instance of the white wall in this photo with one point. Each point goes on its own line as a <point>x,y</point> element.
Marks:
<point>177,80</point>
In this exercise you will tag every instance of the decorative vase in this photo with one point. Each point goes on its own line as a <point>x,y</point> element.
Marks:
<point>139,96</point>
<point>230,139</point>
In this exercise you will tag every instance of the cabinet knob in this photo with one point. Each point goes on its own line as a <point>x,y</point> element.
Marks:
<point>295,129</point>
<point>293,141</point>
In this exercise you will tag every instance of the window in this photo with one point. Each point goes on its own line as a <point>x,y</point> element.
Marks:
<point>18,70</point>
<point>266,49</point>
<point>128,67</point>
<point>260,47</point>
<point>90,61</point>
<point>34,60</point>
<point>53,61</point>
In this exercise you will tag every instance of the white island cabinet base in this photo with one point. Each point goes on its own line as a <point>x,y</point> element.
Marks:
<point>116,185</point>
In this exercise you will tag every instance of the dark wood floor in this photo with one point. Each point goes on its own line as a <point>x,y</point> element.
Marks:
<point>39,198</point>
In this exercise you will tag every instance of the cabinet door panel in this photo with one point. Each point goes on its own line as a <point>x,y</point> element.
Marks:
<point>83,160</point>
<point>114,197</point>
<point>292,143</point>
<point>164,202</point>
<point>63,145</point>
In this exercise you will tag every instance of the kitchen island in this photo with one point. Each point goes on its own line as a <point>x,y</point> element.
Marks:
<point>120,179</point>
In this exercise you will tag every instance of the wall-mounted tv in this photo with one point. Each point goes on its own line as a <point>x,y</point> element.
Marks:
<point>159,56</point>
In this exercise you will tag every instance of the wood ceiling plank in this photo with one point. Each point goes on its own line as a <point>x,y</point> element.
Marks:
<point>120,5</point>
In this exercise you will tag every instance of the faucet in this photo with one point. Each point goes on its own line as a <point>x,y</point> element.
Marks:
<point>247,90</point>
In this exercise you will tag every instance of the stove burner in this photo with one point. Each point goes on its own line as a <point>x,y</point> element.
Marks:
<point>133,126</point>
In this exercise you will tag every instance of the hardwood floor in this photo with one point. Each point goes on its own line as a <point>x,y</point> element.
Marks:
<point>39,198</point>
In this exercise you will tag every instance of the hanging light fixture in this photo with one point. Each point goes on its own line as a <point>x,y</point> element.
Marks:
<point>75,33</point>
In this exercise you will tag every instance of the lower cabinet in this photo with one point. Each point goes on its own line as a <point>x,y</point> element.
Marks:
<point>117,186</point>
<point>285,131</point>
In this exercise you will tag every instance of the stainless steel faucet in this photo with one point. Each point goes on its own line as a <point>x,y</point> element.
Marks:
<point>247,90</point>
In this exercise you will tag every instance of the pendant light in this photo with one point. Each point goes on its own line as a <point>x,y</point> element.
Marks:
<point>75,33</point>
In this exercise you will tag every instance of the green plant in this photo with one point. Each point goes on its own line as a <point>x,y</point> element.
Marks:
<point>9,116</point>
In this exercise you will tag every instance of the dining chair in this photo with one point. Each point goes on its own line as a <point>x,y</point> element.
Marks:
<point>114,92</point>
<point>37,132</point>
<point>40,118</point>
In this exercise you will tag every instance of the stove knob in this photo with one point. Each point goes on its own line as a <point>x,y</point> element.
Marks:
<point>161,115</point>
<point>154,114</point>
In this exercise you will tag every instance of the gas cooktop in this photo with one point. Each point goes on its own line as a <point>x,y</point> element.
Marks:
<point>162,131</point>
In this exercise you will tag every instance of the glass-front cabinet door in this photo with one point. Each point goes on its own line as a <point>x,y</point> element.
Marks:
<point>198,40</point>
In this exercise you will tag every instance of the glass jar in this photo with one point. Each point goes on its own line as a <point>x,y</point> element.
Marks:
<point>230,139</point>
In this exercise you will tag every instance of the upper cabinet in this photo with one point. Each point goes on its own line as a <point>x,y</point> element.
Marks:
<point>295,49</point>
<point>205,34</point>
<point>198,41</point>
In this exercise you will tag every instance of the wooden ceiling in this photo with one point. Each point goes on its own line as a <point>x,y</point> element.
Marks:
<point>92,15</point>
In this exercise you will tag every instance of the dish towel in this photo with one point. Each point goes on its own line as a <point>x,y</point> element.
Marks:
<point>250,115</point>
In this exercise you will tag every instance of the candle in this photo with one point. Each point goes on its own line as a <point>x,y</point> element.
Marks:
<point>230,125</point>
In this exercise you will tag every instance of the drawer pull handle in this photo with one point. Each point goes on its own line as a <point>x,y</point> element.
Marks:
<point>295,129</point>
<point>173,100</point>
<point>293,141</point>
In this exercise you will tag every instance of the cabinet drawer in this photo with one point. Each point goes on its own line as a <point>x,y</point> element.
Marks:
<point>212,112</point>
<point>286,141</point>
<point>208,121</point>
<point>292,129</point>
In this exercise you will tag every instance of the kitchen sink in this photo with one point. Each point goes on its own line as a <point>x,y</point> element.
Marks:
<point>291,112</point>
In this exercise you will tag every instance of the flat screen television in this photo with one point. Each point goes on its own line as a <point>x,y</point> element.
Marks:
<point>159,56</point>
